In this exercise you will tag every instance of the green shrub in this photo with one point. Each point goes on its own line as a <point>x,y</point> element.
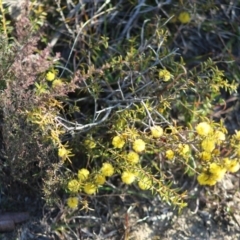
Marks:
<point>128,109</point>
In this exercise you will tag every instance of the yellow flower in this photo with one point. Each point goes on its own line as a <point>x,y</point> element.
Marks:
<point>50,76</point>
<point>156,131</point>
<point>183,149</point>
<point>83,174</point>
<point>128,177</point>
<point>107,169</point>
<point>62,152</point>
<point>220,136</point>
<point>217,171</point>
<point>234,166</point>
<point>208,145</point>
<point>139,145</point>
<point>214,174</point>
<point>169,154</point>
<point>205,179</point>
<point>57,83</point>
<point>231,165</point>
<point>118,142</point>
<point>90,143</point>
<point>204,129</point>
<point>133,157</point>
<point>73,185</point>
<point>100,179</point>
<point>145,183</point>
<point>72,202</point>
<point>165,75</point>
<point>184,17</point>
<point>206,156</point>
<point>89,188</point>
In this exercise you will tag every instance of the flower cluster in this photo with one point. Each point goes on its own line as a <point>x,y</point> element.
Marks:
<point>132,157</point>
<point>129,149</point>
<point>210,138</point>
<point>89,184</point>
<point>215,168</point>
<point>216,172</point>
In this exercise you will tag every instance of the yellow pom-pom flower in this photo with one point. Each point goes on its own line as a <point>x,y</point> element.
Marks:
<point>206,179</point>
<point>57,83</point>
<point>184,17</point>
<point>217,171</point>
<point>89,188</point>
<point>89,143</point>
<point>208,145</point>
<point>165,75</point>
<point>204,129</point>
<point>205,156</point>
<point>156,131</point>
<point>73,185</point>
<point>231,165</point>
<point>219,136</point>
<point>107,169</point>
<point>128,177</point>
<point>118,142</point>
<point>100,179</point>
<point>214,174</point>
<point>50,76</point>
<point>139,145</point>
<point>183,149</point>
<point>72,202</point>
<point>62,152</point>
<point>145,183</point>
<point>83,174</point>
<point>133,157</point>
<point>169,154</point>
